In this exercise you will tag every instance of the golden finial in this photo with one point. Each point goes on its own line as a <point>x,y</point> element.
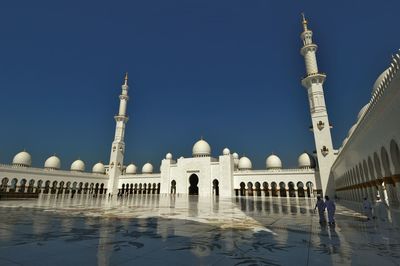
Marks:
<point>126,78</point>
<point>304,21</point>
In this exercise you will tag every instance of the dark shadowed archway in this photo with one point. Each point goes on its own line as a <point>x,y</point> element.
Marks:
<point>242,189</point>
<point>216,187</point>
<point>173,187</point>
<point>193,188</point>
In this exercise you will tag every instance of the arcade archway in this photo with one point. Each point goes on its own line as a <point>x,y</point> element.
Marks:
<point>215,187</point>
<point>193,188</point>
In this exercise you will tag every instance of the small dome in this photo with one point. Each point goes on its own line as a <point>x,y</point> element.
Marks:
<point>147,168</point>
<point>226,151</point>
<point>379,80</point>
<point>78,165</point>
<point>22,159</point>
<point>351,130</point>
<point>53,162</point>
<point>201,149</point>
<point>168,156</point>
<point>235,159</point>
<point>245,163</point>
<point>99,168</point>
<point>344,142</point>
<point>273,162</point>
<point>305,160</point>
<point>362,111</point>
<point>131,169</point>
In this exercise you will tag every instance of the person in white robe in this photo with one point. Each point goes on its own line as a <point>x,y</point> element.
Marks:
<point>331,208</point>
<point>367,207</point>
<point>380,210</point>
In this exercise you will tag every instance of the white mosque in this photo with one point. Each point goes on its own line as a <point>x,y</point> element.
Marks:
<point>361,166</point>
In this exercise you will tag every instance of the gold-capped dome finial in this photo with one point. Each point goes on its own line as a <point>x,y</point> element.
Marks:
<point>304,21</point>
<point>126,78</point>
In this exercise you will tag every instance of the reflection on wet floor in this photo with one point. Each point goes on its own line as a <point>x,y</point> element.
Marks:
<point>188,230</point>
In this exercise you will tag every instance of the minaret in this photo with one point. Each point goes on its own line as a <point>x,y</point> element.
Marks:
<point>313,82</point>
<point>118,145</point>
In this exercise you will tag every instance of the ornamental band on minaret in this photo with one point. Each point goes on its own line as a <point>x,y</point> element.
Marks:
<point>313,82</point>
<point>118,145</point>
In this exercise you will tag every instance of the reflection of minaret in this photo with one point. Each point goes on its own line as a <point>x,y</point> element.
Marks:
<point>106,236</point>
<point>313,82</point>
<point>118,145</point>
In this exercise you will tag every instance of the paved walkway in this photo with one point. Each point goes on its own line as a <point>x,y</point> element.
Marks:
<point>182,230</point>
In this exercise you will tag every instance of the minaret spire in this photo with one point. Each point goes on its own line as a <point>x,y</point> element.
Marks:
<point>313,82</point>
<point>118,145</point>
<point>304,22</point>
<point>126,79</point>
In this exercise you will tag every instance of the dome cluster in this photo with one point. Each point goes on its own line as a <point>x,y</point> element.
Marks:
<point>273,162</point>
<point>147,168</point>
<point>363,110</point>
<point>24,159</point>
<point>200,149</point>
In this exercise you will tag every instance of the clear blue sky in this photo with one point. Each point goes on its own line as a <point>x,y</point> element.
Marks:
<point>226,70</point>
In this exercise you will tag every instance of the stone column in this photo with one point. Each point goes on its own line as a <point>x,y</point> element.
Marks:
<point>396,179</point>
<point>391,191</point>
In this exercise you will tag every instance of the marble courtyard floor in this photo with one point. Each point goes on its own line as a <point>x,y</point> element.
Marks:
<point>182,230</point>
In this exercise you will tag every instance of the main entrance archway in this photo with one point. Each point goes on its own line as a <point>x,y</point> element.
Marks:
<point>193,188</point>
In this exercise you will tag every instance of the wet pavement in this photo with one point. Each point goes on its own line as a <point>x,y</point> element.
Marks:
<point>183,230</point>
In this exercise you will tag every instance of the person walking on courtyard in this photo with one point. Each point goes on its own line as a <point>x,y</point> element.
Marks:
<point>321,209</point>
<point>380,209</point>
<point>367,206</point>
<point>331,208</point>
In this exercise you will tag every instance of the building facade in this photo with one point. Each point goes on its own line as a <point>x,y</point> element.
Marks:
<point>359,168</point>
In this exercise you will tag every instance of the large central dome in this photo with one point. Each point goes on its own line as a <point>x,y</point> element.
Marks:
<point>201,149</point>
